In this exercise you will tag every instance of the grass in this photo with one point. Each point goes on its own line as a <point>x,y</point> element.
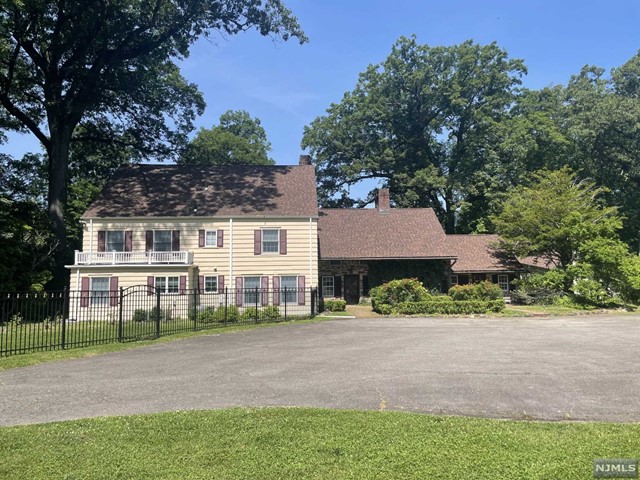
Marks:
<point>524,310</point>
<point>26,359</point>
<point>285,443</point>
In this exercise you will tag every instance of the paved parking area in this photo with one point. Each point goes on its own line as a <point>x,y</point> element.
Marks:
<point>577,368</point>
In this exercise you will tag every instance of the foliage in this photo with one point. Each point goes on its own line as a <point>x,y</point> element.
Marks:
<point>396,291</point>
<point>239,139</point>
<point>142,315</point>
<point>429,272</point>
<point>459,307</point>
<point>335,305</point>
<point>540,288</point>
<point>250,313</point>
<point>206,315</point>
<point>270,313</point>
<point>423,121</point>
<point>229,314</point>
<point>101,72</point>
<point>553,216</point>
<point>590,292</point>
<point>476,291</point>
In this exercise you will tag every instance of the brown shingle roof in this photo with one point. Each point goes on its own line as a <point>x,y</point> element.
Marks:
<point>365,233</point>
<point>476,254</point>
<point>189,190</point>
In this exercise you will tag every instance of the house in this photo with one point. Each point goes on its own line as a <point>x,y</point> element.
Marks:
<point>365,247</point>
<point>181,228</point>
<point>479,259</point>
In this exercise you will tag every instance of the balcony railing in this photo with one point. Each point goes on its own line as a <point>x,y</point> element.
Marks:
<point>134,258</point>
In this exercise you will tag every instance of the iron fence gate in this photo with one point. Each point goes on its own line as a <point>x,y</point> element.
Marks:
<point>57,320</point>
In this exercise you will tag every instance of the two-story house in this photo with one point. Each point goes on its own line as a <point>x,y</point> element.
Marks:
<point>182,228</point>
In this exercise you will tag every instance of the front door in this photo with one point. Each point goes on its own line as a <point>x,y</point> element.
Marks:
<point>351,289</point>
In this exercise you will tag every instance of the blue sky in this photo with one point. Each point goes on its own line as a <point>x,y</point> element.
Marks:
<point>287,85</point>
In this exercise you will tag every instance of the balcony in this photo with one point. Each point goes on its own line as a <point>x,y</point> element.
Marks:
<point>134,258</point>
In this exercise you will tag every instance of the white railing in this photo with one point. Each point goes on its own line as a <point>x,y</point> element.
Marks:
<point>133,258</point>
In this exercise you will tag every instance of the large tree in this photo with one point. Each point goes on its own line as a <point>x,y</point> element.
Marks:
<point>238,139</point>
<point>108,66</point>
<point>425,122</point>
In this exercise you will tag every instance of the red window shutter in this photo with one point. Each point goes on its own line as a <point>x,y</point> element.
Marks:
<point>220,283</point>
<point>85,283</point>
<point>175,240</point>
<point>264,284</point>
<point>128,241</point>
<point>220,237</point>
<point>183,284</point>
<point>283,242</point>
<point>201,238</point>
<point>150,283</point>
<point>201,283</point>
<point>257,242</point>
<point>113,292</point>
<point>301,289</point>
<point>276,290</point>
<point>102,236</point>
<point>148,237</point>
<point>239,292</point>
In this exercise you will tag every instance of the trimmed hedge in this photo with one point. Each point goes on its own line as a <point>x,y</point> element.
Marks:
<point>336,305</point>
<point>443,307</point>
<point>476,291</point>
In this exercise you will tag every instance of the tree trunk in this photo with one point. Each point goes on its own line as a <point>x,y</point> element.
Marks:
<point>57,200</point>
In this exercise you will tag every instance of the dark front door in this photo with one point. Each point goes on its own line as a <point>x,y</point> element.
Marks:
<point>351,289</point>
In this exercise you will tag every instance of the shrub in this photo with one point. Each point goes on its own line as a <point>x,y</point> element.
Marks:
<point>250,313</point>
<point>231,312</point>
<point>271,313</point>
<point>206,315</point>
<point>460,307</point>
<point>140,315</point>
<point>540,289</point>
<point>397,291</point>
<point>336,305</point>
<point>590,292</point>
<point>482,291</point>
<point>384,309</point>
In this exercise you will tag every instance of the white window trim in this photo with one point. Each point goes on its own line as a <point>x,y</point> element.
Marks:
<point>333,286</point>
<point>166,291</point>
<point>250,291</point>
<point>215,245</point>
<point>289,291</point>
<point>99,300</point>
<point>106,240</point>
<point>170,239</point>
<point>205,284</point>
<point>262,250</point>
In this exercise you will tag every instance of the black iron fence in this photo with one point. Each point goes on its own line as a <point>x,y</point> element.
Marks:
<point>31,322</point>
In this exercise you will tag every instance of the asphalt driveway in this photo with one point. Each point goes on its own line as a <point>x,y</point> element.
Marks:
<point>578,368</point>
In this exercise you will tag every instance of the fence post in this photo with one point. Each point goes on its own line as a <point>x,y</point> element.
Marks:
<point>257,304</point>
<point>120,315</point>
<point>312,302</point>
<point>157,313</point>
<point>196,293</point>
<point>284,300</point>
<point>226,303</point>
<point>65,312</point>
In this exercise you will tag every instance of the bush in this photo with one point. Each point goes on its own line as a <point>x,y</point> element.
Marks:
<point>398,291</point>
<point>590,292</point>
<point>336,305</point>
<point>540,289</point>
<point>384,309</point>
<point>250,313</point>
<point>443,307</point>
<point>482,291</point>
<point>142,315</point>
<point>271,313</point>
<point>206,315</point>
<point>232,314</point>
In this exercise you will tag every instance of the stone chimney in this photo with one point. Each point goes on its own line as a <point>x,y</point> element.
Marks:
<point>383,204</point>
<point>305,160</point>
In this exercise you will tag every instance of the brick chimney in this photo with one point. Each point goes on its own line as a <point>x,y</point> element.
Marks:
<point>305,160</point>
<point>383,203</point>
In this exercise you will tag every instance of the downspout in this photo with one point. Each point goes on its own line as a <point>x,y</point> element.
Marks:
<point>91,235</point>
<point>311,252</point>
<point>231,253</point>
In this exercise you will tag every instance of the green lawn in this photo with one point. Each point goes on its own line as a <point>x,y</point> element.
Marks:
<point>284,443</point>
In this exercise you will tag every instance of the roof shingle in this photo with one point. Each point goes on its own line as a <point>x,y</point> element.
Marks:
<point>197,191</point>
<point>476,253</point>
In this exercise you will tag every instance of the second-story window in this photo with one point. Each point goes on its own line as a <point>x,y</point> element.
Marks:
<point>162,241</point>
<point>211,238</point>
<point>115,241</point>
<point>270,241</point>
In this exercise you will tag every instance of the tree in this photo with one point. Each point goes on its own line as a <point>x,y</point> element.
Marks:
<point>109,68</point>
<point>425,122</point>
<point>555,217</point>
<point>238,139</point>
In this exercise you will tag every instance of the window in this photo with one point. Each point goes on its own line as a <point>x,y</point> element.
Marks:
<point>251,286</point>
<point>270,241</point>
<point>454,279</point>
<point>327,287</point>
<point>210,284</point>
<point>99,291</point>
<point>289,289</point>
<point>162,240</point>
<point>503,282</point>
<point>115,241</point>
<point>167,284</point>
<point>211,238</point>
